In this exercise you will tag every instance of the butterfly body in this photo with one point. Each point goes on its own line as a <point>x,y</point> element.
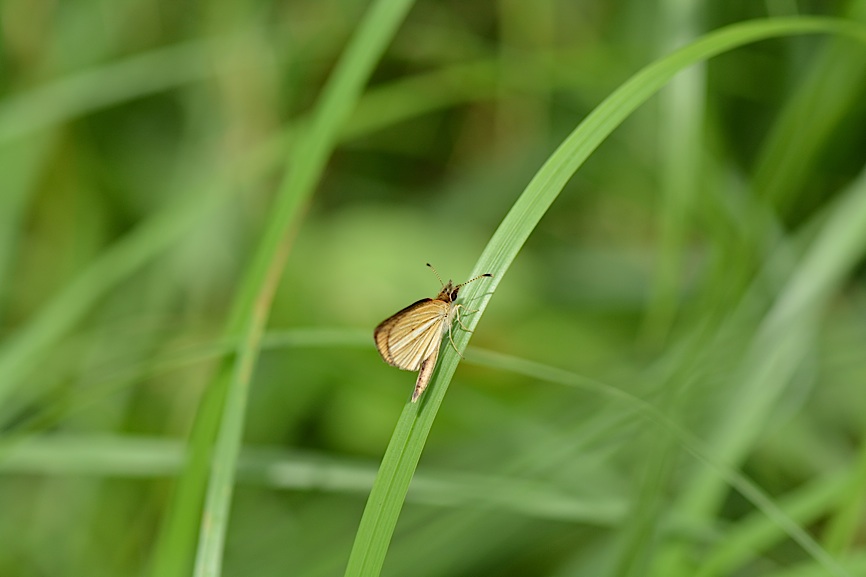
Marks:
<point>411,338</point>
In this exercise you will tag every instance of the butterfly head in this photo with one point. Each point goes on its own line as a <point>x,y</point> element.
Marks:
<point>448,292</point>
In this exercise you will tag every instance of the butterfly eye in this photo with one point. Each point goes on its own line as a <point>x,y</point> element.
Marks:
<point>454,294</point>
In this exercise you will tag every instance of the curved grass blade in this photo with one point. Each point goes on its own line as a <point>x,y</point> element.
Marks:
<point>253,303</point>
<point>404,450</point>
<point>91,90</point>
<point>778,348</point>
<point>37,110</point>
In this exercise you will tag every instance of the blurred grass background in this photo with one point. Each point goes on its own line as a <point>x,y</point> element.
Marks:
<point>706,262</point>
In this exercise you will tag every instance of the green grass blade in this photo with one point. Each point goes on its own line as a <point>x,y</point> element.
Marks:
<point>252,305</point>
<point>845,521</point>
<point>23,351</point>
<point>776,518</point>
<point>757,532</point>
<point>92,90</point>
<point>43,108</point>
<point>780,343</point>
<point>126,457</point>
<point>682,110</point>
<point>822,101</point>
<point>401,458</point>
<point>20,165</point>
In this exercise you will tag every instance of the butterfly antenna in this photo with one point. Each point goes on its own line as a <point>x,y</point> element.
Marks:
<point>436,273</point>
<point>473,279</point>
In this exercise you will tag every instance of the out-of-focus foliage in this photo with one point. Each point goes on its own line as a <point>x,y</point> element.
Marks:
<point>708,260</point>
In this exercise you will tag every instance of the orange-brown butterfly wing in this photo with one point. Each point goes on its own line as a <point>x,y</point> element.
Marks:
<point>406,339</point>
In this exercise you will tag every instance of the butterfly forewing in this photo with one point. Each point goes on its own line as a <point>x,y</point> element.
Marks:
<point>409,337</point>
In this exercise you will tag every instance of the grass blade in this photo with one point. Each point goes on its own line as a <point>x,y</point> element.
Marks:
<point>92,90</point>
<point>401,458</point>
<point>782,339</point>
<point>252,305</point>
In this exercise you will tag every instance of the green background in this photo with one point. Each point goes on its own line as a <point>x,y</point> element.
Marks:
<point>669,380</point>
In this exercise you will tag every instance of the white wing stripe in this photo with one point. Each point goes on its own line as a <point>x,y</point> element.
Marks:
<point>415,334</point>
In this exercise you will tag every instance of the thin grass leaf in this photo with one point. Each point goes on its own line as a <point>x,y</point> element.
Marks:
<point>126,457</point>
<point>20,165</point>
<point>252,305</point>
<point>682,109</point>
<point>831,87</point>
<point>780,343</point>
<point>700,450</point>
<point>757,533</point>
<point>23,351</point>
<point>404,450</point>
<point>845,522</point>
<point>61,101</point>
<point>103,86</point>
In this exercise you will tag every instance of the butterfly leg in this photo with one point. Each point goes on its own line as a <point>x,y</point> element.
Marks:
<point>451,340</point>
<point>459,322</point>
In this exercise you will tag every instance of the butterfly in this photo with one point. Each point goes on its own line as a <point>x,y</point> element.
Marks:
<point>411,338</point>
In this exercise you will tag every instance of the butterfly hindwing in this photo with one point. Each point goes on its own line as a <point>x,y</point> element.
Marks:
<point>406,339</point>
